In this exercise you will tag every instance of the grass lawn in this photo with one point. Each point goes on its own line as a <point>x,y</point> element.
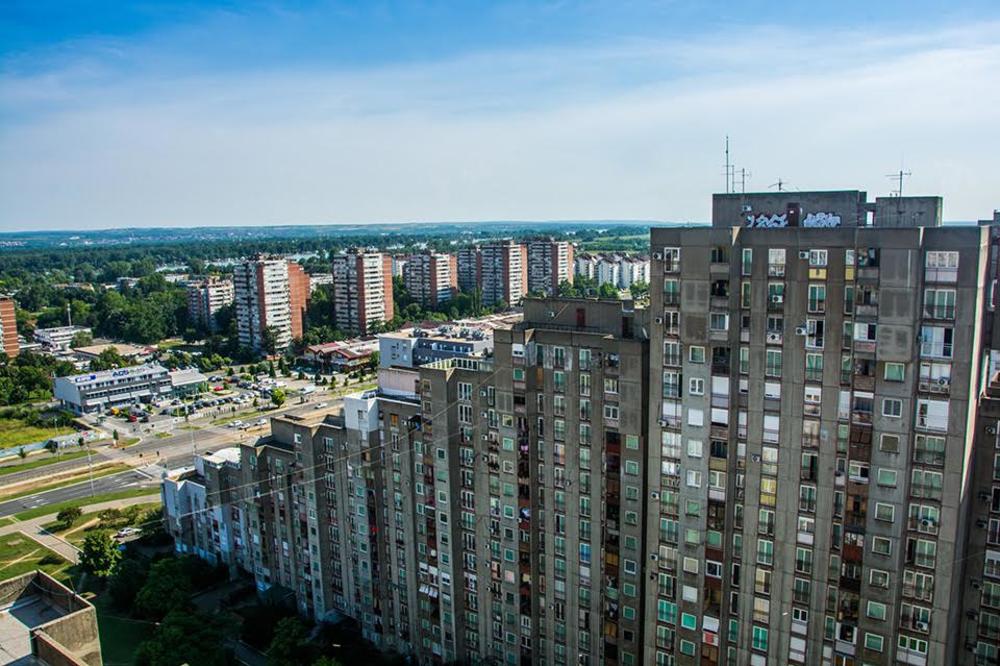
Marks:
<point>19,555</point>
<point>161,435</point>
<point>84,502</point>
<point>99,471</point>
<point>41,460</point>
<point>15,432</point>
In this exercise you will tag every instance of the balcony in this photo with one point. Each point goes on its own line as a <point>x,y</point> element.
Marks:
<point>864,346</point>
<point>775,270</point>
<point>939,311</point>
<point>866,310</point>
<point>940,385</point>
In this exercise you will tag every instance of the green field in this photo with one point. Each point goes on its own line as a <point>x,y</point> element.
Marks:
<point>19,555</point>
<point>41,460</point>
<point>15,432</point>
<point>86,501</point>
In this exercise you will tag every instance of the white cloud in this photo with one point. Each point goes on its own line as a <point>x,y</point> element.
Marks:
<point>631,130</point>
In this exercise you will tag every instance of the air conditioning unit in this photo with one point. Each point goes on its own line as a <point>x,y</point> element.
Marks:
<point>919,625</point>
<point>658,256</point>
<point>991,430</point>
<point>654,557</point>
<point>971,614</point>
<point>654,495</point>
<point>777,298</point>
<point>943,381</point>
<point>755,457</point>
<point>975,584</point>
<point>801,330</point>
<point>927,522</point>
<point>981,524</point>
<point>659,320</point>
<point>803,254</point>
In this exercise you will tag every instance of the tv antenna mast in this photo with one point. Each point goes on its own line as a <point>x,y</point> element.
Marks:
<point>781,185</point>
<point>744,174</point>
<point>730,171</point>
<point>898,177</point>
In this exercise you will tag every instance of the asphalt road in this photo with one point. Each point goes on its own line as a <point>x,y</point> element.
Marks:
<point>105,484</point>
<point>150,458</point>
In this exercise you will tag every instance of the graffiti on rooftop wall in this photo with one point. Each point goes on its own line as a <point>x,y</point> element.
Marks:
<point>814,220</point>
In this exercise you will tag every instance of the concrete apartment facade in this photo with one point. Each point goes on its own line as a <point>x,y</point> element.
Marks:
<point>790,457</point>
<point>550,263</point>
<point>431,278</point>
<point>820,365</point>
<point>362,290</point>
<point>299,294</point>
<point>262,300</point>
<point>8,327</point>
<point>504,272</point>
<point>469,266</point>
<point>206,298</point>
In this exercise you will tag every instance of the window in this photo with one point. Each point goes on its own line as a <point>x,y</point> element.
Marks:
<point>881,546</point>
<point>939,303</point>
<point>765,552</point>
<point>693,479</point>
<point>718,321</point>
<point>932,414</point>
<point>936,341</point>
<point>876,610</point>
<point>671,292</point>
<point>759,639</point>
<point>895,372</point>
<point>671,259</point>
<point>817,298</point>
<point>879,578</point>
<point>746,261</point>
<point>611,385</point>
<point>689,621</point>
<point>696,386</point>
<point>892,407</point>
<point>886,477</point>
<point>926,484</point>
<point>776,262</point>
<point>873,642</point>
<point>940,266</point>
<point>694,448</point>
<point>772,367</point>
<point>885,512</point>
<point>696,354</point>
<point>817,258</point>
<point>928,450</point>
<point>889,443</point>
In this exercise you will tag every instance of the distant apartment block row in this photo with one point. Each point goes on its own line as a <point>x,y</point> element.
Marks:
<point>619,270</point>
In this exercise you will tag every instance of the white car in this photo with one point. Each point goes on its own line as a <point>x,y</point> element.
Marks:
<point>126,532</point>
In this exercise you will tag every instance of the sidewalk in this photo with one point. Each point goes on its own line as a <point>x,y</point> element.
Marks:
<point>33,528</point>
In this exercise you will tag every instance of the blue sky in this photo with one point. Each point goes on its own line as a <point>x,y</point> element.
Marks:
<point>184,113</point>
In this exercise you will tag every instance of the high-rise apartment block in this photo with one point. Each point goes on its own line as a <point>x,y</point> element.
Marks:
<point>299,295</point>
<point>270,294</point>
<point>504,272</point>
<point>470,269</point>
<point>8,327</point>
<point>790,457</point>
<point>550,263</point>
<point>431,278</point>
<point>820,360</point>
<point>206,298</point>
<point>362,290</point>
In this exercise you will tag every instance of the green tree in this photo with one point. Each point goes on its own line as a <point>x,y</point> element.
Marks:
<point>108,359</point>
<point>327,661</point>
<point>185,638</point>
<point>52,446</point>
<point>278,397</point>
<point>288,647</point>
<point>99,554</point>
<point>270,370</point>
<point>69,515</point>
<point>168,587</point>
<point>125,583</point>
<point>269,341</point>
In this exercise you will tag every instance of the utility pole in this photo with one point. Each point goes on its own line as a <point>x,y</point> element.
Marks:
<point>744,172</point>
<point>729,169</point>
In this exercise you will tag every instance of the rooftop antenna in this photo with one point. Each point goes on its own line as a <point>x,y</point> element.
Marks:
<point>898,177</point>
<point>730,170</point>
<point>780,185</point>
<point>744,174</point>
